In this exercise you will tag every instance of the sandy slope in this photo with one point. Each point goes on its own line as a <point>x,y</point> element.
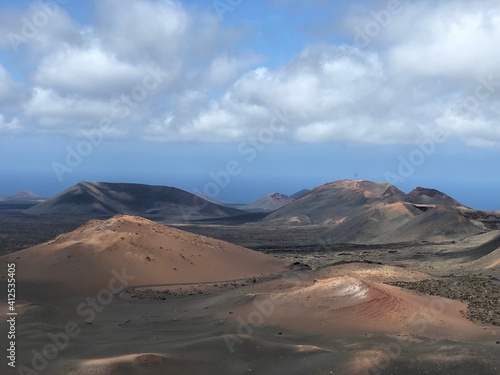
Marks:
<point>86,260</point>
<point>353,299</point>
<point>489,261</point>
<point>339,319</point>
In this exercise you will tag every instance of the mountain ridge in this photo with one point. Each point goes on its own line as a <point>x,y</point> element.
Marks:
<point>104,199</point>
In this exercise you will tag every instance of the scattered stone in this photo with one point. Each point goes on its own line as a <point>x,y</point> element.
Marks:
<point>482,296</point>
<point>298,266</point>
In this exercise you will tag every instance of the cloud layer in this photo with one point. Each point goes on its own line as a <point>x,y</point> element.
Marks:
<point>166,72</point>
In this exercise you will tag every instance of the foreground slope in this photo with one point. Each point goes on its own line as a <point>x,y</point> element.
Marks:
<point>84,261</point>
<point>354,299</point>
<point>103,199</point>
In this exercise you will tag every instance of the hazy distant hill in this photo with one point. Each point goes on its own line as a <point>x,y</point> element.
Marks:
<point>269,202</point>
<point>300,194</point>
<point>23,195</point>
<point>107,199</point>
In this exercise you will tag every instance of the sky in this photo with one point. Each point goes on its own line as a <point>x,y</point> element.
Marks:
<point>241,98</point>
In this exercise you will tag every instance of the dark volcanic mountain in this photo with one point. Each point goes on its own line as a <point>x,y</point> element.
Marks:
<point>403,222</point>
<point>422,195</point>
<point>336,200</point>
<point>101,199</point>
<point>367,212</point>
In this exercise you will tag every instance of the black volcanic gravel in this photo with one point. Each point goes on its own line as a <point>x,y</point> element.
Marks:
<point>482,296</point>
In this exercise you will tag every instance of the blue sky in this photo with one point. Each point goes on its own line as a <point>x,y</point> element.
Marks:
<point>289,94</point>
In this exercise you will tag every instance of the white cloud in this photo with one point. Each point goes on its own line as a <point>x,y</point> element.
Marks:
<point>479,128</point>
<point>9,127</point>
<point>68,115</point>
<point>88,71</point>
<point>225,69</point>
<point>43,27</point>
<point>456,39</point>
<point>6,84</point>
<point>427,61</point>
<point>332,94</point>
<point>413,76</point>
<point>11,94</point>
<point>138,28</point>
